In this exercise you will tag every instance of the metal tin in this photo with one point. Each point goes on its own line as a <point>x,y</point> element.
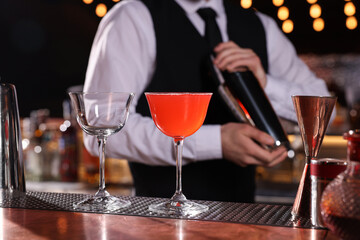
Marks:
<point>11,167</point>
<point>322,172</point>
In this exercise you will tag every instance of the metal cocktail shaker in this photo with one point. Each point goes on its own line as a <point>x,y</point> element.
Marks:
<point>12,177</point>
<point>246,99</point>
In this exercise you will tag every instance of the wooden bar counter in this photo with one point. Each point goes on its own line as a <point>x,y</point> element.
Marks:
<point>32,224</point>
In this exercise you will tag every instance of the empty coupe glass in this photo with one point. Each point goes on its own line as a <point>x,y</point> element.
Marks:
<point>101,114</point>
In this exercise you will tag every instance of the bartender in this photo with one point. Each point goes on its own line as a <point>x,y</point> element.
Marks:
<point>159,46</point>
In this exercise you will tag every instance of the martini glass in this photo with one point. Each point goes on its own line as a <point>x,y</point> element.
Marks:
<point>178,115</point>
<point>101,114</point>
<point>313,114</point>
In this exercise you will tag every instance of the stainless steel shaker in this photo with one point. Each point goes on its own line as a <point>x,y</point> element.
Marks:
<point>322,172</point>
<point>12,177</point>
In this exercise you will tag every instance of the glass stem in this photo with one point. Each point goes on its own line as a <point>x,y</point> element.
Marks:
<point>102,143</point>
<point>178,196</point>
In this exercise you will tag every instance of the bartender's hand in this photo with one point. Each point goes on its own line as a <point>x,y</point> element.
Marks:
<point>238,146</point>
<point>231,57</point>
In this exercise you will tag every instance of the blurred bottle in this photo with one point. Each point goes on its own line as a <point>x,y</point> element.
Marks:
<point>353,144</point>
<point>118,172</point>
<point>68,146</point>
<point>352,92</point>
<point>33,129</point>
<point>40,144</point>
<point>340,203</point>
<point>89,168</point>
<point>50,150</point>
<point>26,136</point>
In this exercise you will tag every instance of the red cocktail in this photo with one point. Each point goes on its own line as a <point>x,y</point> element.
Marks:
<point>178,115</point>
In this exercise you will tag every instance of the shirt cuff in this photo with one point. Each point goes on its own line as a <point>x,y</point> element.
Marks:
<point>208,143</point>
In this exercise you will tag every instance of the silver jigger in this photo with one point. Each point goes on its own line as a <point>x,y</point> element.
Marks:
<point>313,114</point>
<point>12,179</point>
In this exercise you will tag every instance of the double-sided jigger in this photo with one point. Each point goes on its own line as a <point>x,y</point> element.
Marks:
<point>313,114</point>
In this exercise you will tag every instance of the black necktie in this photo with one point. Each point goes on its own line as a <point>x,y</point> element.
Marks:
<point>212,31</point>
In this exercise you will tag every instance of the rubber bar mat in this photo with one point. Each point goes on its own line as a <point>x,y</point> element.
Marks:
<point>246,213</point>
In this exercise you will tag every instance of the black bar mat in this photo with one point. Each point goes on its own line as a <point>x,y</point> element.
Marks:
<point>246,213</point>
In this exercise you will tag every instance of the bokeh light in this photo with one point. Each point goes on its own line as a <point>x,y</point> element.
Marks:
<point>101,10</point>
<point>315,11</point>
<point>349,9</point>
<point>288,26</point>
<point>311,1</point>
<point>351,23</point>
<point>278,3</point>
<point>283,13</point>
<point>246,3</point>
<point>318,24</point>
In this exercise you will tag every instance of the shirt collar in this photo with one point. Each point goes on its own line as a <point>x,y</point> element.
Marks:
<point>191,6</point>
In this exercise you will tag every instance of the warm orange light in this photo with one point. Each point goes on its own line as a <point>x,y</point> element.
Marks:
<point>288,26</point>
<point>38,133</point>
<point>318,24</point>
<point>283,13</point>
<point>101,10</point>
<point>349,9</point>
<point>278,3</point>
<point>351,23</point>
<point>315,11</point>
<point>87,1</point>
<point>116,0</point>
<point>311,1</point>
<point>246,3</point>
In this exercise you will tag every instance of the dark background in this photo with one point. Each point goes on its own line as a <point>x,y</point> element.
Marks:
<point>45,44</point>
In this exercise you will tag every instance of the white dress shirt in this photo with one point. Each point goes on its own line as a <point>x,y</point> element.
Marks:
<point>123,59</point>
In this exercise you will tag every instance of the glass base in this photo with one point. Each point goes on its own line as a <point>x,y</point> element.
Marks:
<point>102,203</point>
<point>179,208</point>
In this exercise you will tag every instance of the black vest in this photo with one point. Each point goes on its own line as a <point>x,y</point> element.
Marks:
<point>182,66</point>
